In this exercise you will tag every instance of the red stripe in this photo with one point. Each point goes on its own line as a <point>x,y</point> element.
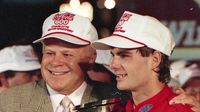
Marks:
<point>129,39</point>
<point>67,34</point>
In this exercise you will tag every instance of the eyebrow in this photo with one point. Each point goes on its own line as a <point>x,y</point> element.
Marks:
<point>123,51</point>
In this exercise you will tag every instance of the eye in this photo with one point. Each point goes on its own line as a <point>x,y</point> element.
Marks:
<point>67,54</point>
<point>48,53</point>
<point>123,54</point>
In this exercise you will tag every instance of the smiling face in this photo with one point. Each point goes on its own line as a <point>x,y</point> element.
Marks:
<point>132,70</point>
<point>63,65</point>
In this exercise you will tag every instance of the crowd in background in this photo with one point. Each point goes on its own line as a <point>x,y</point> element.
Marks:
<point>186,74</point>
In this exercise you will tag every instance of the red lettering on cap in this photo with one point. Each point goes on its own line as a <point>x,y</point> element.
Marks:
<point>125,17</point>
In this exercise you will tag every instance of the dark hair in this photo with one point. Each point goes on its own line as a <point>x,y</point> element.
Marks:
<point>10,74</point>
<point>163,70</point>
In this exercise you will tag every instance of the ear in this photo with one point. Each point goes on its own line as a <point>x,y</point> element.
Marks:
<point>156,59</point>
<point>3,81</point>
<point>93,58</point>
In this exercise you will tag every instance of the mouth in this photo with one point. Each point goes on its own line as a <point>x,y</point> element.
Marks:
<point>121,76</point>
<point>55,73</point>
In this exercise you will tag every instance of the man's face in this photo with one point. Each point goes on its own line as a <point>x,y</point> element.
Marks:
<point>63,65</point>
<point>132,70</point>
<point>20,78</point>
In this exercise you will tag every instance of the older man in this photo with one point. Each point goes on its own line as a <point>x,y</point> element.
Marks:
<point>67,55</point>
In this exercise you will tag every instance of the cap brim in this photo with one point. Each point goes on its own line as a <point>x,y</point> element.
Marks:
<point>65,37</point>
<point>16,67</point>
<point>115,41</point>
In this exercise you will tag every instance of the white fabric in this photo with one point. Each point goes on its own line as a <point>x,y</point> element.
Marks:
<point>103,57</point>
<point>70,28</point>
<point>176,67</point>
<point>18,58</point>
<point>60,108</point>
<point>188,73</point>
<point>75,97</point>
<point>134,30</point>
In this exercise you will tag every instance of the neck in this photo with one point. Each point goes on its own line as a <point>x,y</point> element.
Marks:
<point>145,93</point>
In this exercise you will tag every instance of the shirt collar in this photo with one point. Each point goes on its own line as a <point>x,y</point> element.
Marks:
<point>75,97</point>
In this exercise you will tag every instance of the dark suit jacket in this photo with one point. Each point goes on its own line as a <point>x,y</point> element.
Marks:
<point>34,97</point>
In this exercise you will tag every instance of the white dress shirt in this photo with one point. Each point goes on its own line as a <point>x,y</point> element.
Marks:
<point>75,97</point>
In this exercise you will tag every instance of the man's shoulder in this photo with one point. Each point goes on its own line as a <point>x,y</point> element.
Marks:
<point>20,97</point>
<point>178,107</point>
<point>181,108</point>
<point>23,89</point>
<point>175,107</point>
<point>18,90</point>
<point>21,92</point>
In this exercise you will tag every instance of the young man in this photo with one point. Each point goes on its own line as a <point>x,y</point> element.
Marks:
<point>141,46</point>
<point>18,65</point>
<point>67,55</point>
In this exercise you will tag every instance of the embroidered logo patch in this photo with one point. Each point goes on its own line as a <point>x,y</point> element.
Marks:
<point>61,21</point>
<point>125,17</point>
<point>146,108</point>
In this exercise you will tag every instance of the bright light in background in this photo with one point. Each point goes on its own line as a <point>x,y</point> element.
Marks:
<point>64,7</point>
<point>84,9</point>
<point>109,4</point>
<point>87,10</point>
<point>74,3</point>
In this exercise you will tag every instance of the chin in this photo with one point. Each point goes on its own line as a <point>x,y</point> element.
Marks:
<point>121,87</point>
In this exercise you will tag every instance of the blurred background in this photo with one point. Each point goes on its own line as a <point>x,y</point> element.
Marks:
<point>21,20</point>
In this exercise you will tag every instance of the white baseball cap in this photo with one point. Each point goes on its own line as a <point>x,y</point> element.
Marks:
<point>69,27</point>
<point>134,30</point>
<point>18,58</point>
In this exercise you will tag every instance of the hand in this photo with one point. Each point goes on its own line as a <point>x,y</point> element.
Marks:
<point>194,91</point>
<point>177,90</point>
<point>184,98</point>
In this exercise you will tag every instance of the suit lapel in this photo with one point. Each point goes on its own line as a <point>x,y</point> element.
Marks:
<point>88,95</point>
<point>40,100</point>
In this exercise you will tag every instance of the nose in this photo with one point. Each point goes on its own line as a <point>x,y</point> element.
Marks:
<point>57,60</point>
<point>115,64</point>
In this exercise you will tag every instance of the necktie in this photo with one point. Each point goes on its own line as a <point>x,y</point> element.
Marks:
<point>67,105</point>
